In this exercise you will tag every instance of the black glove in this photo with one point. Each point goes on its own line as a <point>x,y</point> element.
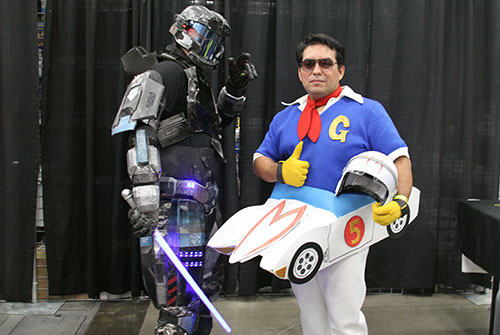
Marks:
<point>143,224</point>
<point>241,71</point>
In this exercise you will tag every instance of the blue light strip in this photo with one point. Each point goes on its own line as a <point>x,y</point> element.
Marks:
<point>141,147</point>
<point>190,254</point>
<point>178,264</point>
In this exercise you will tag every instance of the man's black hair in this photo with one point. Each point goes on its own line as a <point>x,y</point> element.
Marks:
<point>323,39</point>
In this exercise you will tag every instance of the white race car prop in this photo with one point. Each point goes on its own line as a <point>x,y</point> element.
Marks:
<point>297,239</point>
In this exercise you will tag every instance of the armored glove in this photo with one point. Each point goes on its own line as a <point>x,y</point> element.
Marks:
<point>241,71</point>
<point>143,224</point>
<point>387,214</point>
<point>293,171</point>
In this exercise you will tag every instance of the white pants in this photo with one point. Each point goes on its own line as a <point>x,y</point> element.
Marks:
<point>330,303</point>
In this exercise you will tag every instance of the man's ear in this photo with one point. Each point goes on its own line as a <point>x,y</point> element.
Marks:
<point>298,73</point>
<point>341,72</point>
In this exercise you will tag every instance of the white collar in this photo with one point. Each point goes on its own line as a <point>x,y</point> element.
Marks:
<point>346,92</point>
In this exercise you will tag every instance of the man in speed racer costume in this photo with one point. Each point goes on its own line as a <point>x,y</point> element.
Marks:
<point>173,160</point>
<point>307,146</point>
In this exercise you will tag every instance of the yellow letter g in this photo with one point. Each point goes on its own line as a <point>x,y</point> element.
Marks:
<point>342,133</point>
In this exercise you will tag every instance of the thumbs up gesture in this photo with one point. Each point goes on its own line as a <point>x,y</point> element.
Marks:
<point>293,171</point>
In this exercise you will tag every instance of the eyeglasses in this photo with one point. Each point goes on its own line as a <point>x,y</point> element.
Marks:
<point>325,64</point>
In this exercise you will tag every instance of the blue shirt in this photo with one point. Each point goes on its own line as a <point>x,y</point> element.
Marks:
<point>348,128</point>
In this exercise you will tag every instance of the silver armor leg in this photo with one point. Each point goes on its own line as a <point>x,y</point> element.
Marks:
<point>155,266</point>
<point>182,222</point>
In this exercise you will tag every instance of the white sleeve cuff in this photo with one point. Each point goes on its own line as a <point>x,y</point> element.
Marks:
<point>256,155</point>
<point>398,153</point>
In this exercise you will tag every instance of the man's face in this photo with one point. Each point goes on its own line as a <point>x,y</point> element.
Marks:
<point>318,81</point>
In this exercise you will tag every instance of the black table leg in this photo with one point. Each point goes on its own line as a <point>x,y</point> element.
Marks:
<point>493,302</point>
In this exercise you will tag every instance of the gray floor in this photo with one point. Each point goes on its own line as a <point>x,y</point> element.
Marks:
<point>47,318</point>
<point>387,314</point>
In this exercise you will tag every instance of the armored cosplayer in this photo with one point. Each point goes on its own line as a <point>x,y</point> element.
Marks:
<point>173,160</point>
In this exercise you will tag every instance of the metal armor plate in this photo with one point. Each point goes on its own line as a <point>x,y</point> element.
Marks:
<point>142,101</point>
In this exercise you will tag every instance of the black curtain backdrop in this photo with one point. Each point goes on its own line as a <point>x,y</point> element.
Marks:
<point>433,65</point>
<point>19,147</point>
<point>89,247</point>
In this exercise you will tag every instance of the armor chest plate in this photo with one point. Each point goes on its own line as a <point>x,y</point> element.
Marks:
<point>200,114</point>
<point>201,109</point>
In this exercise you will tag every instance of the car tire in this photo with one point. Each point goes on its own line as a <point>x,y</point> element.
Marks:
<point>305,263</point>
<point>399,226</point>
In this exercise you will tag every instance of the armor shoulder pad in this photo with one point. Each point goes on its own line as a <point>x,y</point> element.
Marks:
<point>142,100</point>
<point>137,60</point>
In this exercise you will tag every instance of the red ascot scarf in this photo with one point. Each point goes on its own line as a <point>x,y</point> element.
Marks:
<point>310,122</point>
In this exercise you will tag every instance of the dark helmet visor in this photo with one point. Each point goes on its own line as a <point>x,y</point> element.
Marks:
<point>210,43</point>
<point>360,182</point>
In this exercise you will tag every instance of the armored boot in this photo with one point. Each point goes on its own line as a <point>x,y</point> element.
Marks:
<point>168,321</point>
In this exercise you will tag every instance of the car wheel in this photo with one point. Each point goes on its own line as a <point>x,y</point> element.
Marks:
<point>305,263</point>
<point>398,227</point>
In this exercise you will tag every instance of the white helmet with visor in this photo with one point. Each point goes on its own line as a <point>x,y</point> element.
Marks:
<point>370,172</point>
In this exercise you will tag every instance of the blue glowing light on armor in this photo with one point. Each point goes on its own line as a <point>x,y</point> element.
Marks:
<point>178,264</point>
<point>142,147</point>
<point>191,184</point>
<point>193,264</point>
<point>190,254</point>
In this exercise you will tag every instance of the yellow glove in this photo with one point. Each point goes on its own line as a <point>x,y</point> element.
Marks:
<point>293,171</point>
<point>387,214</point>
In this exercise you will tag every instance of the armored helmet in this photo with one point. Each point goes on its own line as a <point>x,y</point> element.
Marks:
<point>201,32</point>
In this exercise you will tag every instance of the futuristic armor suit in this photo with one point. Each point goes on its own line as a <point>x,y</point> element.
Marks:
<point>173,160</point>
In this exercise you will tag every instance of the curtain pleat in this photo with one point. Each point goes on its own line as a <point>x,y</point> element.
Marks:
<point>19,147</point>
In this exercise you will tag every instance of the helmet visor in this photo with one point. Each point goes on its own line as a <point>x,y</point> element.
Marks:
<point>361,182</point>
<point>210,43</point>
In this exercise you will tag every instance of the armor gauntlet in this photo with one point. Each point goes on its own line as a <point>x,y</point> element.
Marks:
<point>232,96</point>
<point>229,104</point>
<point>144,169</point>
